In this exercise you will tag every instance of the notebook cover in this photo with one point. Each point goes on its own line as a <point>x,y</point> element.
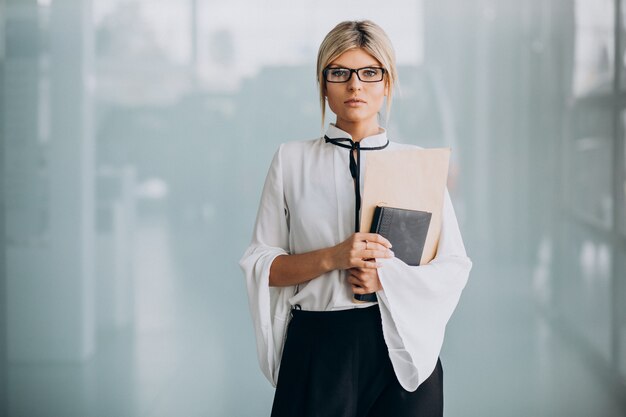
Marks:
<point>405,229</point>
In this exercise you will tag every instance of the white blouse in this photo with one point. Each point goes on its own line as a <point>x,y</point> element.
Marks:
<point>308,204</point>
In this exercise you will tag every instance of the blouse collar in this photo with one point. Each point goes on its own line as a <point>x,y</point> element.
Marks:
<point>379,139</point>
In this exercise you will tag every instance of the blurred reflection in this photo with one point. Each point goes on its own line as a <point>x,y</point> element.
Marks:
<point>622,180</point>
<point>136,136</point>
<point>542,286</point>
<point>595,46</point>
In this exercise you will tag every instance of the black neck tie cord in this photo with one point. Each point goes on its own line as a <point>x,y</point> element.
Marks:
<point>355,170</point>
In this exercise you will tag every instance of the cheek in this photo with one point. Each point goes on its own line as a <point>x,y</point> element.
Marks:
<point>378,97</point>
<point>380,92</point>
<point>334,98</point>
<point>332,94</point>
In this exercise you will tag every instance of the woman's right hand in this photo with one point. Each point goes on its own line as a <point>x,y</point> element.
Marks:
<point>360,251</point>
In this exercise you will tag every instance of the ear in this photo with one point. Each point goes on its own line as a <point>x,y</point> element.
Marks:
<point>386,89</point>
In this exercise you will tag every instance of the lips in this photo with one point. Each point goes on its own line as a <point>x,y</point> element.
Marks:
<point>354,100</point>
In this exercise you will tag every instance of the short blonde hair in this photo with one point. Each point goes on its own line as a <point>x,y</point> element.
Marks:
<point>349,35</point>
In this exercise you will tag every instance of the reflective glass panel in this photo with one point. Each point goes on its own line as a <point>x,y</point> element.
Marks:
<point>594,53</point>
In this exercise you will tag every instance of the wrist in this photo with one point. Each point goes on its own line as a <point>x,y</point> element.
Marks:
<point>327,260</point>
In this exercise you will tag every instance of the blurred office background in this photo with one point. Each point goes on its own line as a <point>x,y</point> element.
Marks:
<point>134,140</point>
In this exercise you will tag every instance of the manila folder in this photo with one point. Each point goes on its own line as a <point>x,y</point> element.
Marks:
<point>412,179</point>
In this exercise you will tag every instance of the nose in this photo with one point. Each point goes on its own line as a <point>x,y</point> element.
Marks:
<point>354,83</point>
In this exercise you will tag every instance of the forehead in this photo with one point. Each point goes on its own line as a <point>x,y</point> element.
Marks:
<point>355,58</point>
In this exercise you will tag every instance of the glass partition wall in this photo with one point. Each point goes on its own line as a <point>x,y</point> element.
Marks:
<point>135,136</point>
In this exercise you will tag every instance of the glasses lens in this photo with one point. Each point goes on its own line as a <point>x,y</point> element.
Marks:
<point>337,75</point>
<point>370,75</point>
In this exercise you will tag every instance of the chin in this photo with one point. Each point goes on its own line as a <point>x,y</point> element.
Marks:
<point>353,118</point>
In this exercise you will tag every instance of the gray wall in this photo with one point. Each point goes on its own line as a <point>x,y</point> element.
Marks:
<point>134,140</point>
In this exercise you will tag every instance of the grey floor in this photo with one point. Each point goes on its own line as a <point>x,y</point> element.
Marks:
<point>191,351</point>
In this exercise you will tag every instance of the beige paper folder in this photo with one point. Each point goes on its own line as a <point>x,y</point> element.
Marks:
<point>409,179</point>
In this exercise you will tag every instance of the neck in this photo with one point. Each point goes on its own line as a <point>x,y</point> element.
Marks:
<point>359,130</point>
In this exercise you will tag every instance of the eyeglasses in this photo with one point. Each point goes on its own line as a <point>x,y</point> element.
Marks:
<point>342,75</point>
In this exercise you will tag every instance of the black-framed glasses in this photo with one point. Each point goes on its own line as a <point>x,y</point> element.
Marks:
<point>342,75</point>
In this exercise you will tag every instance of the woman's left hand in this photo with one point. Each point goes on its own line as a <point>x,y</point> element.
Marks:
<point>364,280</point>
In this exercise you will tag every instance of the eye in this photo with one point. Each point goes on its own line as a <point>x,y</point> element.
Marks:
<point>338,72</point>
<point>371,72</point>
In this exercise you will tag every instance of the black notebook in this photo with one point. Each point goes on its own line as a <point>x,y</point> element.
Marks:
<point>406,230</point>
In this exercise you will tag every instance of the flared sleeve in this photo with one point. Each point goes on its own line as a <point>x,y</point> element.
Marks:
<point>269,307</point>
<point>416,302</point>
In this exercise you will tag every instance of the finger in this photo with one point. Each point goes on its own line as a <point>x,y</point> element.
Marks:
<point>355,281</point>
<point>361,290</point>
<point>360,272</point>
<point>367,245</point>
<point>361,275</point>
<point>361,284</point>
<point>369,264</point>
<point>357,260</point>
<point>375,238</point>
<point>352,280</point>
<point>382,253</point>
<point>377,246</point>
<point>358,290</point>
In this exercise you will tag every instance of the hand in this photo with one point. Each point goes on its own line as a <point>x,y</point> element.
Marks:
<point>364,280</point>
<point>360,250</point>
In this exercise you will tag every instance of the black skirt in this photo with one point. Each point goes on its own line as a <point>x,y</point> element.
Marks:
<point>336,364</point>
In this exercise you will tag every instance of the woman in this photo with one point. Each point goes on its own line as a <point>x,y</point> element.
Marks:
<point>326,355</point>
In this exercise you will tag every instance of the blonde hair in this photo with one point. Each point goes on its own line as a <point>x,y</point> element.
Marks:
<point>349,35</point>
